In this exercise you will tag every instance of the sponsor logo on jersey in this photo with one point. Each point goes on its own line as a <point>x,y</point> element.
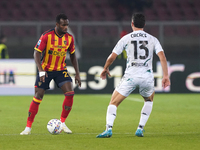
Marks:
<point>50,52</point>
<point>59,46</point>
<point>139,64</point>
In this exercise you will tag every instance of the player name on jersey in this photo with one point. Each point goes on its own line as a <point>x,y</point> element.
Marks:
<point>138,35</point>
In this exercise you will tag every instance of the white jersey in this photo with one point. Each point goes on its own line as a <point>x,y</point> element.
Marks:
<point>140,47</point>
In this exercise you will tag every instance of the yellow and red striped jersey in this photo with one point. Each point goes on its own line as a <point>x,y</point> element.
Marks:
<point>54,49</point>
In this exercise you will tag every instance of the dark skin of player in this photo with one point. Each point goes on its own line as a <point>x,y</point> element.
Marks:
<point>61,29</point>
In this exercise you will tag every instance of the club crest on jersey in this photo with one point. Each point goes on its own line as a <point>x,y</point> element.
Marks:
<point>39,83</point>
<point>65,42</point>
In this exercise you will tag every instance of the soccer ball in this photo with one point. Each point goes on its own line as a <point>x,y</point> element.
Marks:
<point>54,126</point>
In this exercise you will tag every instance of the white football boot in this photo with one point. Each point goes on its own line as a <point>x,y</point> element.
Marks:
<point>26,131</point>
<point>65,128</point>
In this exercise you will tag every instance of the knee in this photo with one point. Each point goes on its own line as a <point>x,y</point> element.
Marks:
<point>114,102</point>
<point>39,95</point>
<point>148,99</point>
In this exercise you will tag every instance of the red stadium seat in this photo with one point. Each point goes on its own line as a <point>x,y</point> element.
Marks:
<point>169,31</point>
<point>102,10</point>
<point>182,30</point>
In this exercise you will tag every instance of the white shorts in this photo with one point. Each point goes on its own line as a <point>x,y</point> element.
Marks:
<point>129,84</point>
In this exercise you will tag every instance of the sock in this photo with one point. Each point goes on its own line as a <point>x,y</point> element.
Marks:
<point>145,113</point>
<point>67,105</point>
<point>110,116</point>
<point>33,109</point>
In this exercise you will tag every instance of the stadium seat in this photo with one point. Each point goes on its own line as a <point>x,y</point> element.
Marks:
<point>194,31</point>
<point>101,31</point>
<point>163,14</point>
<point>169,31</point>
<point>8,31</point>
<point>87,31</point>
<point>176,14</point>
<point>110,15</point>
<point>99,10</point>
<point>182,30</point>
<point>189,13</point>
<point>154,30</point>
<point>5,15</point>
<point>84,15</point>
<point>150,14</point>
<point>21,31</point>
<point>97,15</point>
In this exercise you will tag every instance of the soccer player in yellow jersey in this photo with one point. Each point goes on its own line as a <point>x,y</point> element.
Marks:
<point>3,48</point>
<point>52,49</point>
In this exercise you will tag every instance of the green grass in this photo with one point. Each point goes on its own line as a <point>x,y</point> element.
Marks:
<point>173,124</point>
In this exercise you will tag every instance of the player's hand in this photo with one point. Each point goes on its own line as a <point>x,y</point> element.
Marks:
<point>42,75</point>
<point>78,80</point>
<point>104,73</point>
<point>165,82</point>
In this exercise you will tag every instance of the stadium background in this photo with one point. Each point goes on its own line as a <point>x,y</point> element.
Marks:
<point>97,26</point>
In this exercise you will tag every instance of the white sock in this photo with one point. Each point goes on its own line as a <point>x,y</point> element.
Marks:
<point>27,129</point>
<point>145,113</point>
<point>110,116</point>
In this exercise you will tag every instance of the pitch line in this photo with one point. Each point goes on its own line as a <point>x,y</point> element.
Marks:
<point>150,133</point>
<point>134,99</point>
<point>128,98</point>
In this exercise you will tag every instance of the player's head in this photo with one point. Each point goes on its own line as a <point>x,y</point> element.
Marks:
<point>3,39</point>
<point>62,23</point>
<point>138,20</point>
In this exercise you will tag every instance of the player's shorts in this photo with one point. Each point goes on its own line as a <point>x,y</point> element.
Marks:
<point>60,78</point>
<point>128,84</point>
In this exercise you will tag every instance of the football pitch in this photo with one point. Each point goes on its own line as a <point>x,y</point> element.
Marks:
<point>174,123</point>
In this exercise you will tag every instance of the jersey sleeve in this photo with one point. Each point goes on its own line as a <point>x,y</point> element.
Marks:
<point>72,46</point>
<point>41,44</point>
<point>158,47</point>
<point>119,47</point>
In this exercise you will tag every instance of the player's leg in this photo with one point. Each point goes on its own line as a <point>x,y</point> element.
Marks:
<point>33,110</point>
<point>125,87</point>
<point>64,81</point>
<point>146,90</point>
<point>40,88</point>
<point>116,99</point>
<point>145,113</point>
<point>67,104</point>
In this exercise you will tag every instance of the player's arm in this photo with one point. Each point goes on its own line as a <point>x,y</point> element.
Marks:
<point>41,45</point>
<point>37,58</point>
<point>111,58</point>
<point>74,62</point>
<point>163,61</point>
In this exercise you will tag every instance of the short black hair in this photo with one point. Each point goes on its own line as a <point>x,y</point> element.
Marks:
<point>61,16</point>
<point>138,20</point>
<point>2,37</point>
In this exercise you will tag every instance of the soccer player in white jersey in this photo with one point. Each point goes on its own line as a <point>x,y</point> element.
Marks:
<point>140,47</point>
